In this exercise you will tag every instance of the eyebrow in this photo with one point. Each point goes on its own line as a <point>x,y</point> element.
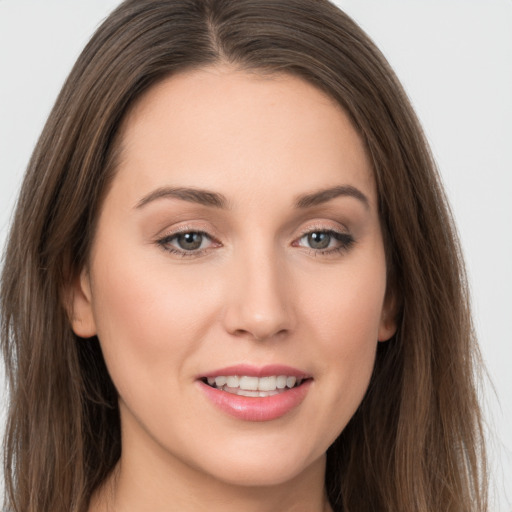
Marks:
<point>325,195</point>
<point>216,200</point>
<point>192,195</point>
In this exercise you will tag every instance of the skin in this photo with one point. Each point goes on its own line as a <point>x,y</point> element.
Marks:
<point>256,292</point>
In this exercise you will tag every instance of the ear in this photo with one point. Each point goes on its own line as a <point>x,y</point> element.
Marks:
<point>79,305</point>
<point>388,319</point>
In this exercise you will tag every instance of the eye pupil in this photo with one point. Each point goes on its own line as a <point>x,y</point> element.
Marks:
<point>190,241</point>
<point>318,240</point>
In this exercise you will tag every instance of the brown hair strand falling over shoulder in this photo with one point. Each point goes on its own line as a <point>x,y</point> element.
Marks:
<point>415,443</point>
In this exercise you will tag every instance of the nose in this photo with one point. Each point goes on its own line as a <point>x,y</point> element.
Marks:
<point>259,305</point>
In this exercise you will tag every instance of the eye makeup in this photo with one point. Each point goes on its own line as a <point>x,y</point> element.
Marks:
<point>189,242</point>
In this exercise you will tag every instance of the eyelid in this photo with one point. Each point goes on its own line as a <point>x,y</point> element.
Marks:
<point>340,233</point>
<point>345,239</point>
<point>334,226</point>
<point>164,240</point>
<point>195,226</point>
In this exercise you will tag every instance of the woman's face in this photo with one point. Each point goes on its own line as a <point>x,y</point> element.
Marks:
<point>238,252</point>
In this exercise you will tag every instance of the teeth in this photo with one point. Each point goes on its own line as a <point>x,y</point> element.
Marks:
<point>244,392</point>
<point>253,386</point>
<point>220,381</point>
<point>232,381</point>
<point>248,383</point>
<point>290,382</point>
<point>254,394</point>
<point>267,384</point>
<point>281,382</point>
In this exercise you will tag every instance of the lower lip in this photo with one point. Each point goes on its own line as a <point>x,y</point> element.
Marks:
<point>256,408</point>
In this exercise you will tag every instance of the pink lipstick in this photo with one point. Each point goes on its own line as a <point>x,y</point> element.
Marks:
<point>253,393</point>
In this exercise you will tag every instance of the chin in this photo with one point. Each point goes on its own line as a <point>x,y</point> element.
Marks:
<point>264,468</point>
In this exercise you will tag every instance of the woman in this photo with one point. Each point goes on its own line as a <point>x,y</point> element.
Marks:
<point>232,279</point>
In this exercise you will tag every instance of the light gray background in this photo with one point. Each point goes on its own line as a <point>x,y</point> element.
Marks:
<point>455,60</point>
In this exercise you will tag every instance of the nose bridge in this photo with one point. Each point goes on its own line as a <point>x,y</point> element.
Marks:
<point>259,304</point>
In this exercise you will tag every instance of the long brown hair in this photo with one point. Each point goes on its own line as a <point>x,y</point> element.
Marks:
<point>415,443</point>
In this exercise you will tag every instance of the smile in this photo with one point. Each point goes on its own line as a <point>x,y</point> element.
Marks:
<point>250,393</point>
<point>254,386</point>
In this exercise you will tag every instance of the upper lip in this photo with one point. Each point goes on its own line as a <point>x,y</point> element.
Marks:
<point>257,371</point>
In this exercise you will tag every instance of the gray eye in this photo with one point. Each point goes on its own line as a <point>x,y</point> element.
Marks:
<point>319,240</point>
<point>189,241</point>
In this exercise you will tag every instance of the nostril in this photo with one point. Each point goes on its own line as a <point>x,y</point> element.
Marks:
<point>260,335</point>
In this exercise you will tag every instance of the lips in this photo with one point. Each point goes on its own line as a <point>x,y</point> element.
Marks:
<point>256,393</point>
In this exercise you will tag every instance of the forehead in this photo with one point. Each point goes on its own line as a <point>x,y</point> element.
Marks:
<point>207,126</point>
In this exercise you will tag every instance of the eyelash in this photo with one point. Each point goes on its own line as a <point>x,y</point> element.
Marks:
<point>164,243</point>
<point>346,241</point>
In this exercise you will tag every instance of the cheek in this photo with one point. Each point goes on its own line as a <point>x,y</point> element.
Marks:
<point>346,306</point>
<point>148,318</point>
<point>344,321</point>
